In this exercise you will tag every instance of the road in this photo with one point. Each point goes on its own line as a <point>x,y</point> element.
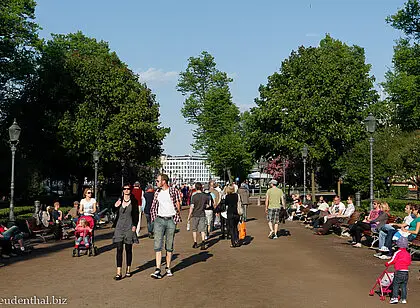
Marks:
<point>302,270</point>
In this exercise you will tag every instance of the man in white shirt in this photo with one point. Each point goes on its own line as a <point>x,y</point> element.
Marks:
<point>164,212</point>
<point>341,215</point>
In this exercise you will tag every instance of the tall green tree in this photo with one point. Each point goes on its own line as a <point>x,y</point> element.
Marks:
<point>84,97</point>
<point>209,106</point>
<point>319,98</point>
<point>403,80</point>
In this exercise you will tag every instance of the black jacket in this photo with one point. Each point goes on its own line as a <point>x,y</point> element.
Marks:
<point>134,211</point>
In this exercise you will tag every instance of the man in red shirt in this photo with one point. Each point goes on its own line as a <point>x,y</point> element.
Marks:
<point>138,194</point>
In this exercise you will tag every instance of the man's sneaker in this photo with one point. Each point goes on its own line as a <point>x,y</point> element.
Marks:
<point>275,237</point>
<point>357,245</point>
<point>378,255</point>
<point>403,301</point>
<point>156,274</point>
<point>168,272</point>
<point>384,249</point>
<point>195,245</point>
<point>385,257</point>
<point>271,235</point>
<point>393,301</point>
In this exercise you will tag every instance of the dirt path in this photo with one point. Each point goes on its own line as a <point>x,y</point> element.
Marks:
<point>302,270</point>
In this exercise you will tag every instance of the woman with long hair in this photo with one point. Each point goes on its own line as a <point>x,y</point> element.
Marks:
<point>233,216</point>
<point>125,225</point>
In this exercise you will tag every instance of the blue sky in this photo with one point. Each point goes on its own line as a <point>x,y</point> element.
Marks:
<point>249,40</point>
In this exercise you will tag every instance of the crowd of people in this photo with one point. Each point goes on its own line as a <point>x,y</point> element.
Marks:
<point>393,237</point>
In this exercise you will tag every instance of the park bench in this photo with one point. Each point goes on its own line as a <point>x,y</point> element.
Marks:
<point>374,235</point>
<point>414,246</point>
<point>40,232</point>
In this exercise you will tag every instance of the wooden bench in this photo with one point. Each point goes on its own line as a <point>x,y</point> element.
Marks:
<point>414,246</point>
<point>375,235</point>
<point>40,232</point>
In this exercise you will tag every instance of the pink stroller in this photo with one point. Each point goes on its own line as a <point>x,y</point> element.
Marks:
<point>90,247</point>
<point>384,284</point>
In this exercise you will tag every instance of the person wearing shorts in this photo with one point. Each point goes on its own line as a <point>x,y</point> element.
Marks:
<point>197,216</point>
<point>273,201</point>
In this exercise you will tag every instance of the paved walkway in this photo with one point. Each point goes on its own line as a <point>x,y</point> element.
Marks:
<point>302,270</point>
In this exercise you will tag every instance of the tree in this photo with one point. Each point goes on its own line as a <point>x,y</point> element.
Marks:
<point>319,98</point>
<point>82,98</point>
<point>403,81</point>
<point>209,107</point>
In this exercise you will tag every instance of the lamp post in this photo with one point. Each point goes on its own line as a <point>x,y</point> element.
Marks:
<point>304,156</point>
<point>370,123</point>
<point>96,161</point>
<point>14,133</point>
<point>122,171</point>
<point>284,175</point>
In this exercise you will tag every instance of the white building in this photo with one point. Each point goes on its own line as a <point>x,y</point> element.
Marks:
<point>186,169</point>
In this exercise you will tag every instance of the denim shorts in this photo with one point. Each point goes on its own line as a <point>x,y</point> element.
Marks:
<point>164,228</point>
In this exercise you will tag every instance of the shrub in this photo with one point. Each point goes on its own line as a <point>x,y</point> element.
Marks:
<point>399,192</point>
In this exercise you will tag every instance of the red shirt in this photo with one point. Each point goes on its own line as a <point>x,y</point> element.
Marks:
<point>2,229</point>
<point>137,192</point>
<point>401,260</point>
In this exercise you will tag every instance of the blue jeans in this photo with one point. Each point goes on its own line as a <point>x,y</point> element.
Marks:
<point>164,228</point>
<point>149,223</point>
<point>85,240</point>
<point>383,233</point>
<point>400,281</point>
<point>12,232</point>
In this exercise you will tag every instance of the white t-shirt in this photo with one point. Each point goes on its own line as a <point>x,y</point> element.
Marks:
<point>338,207</point>
<point>88,206</point>
<point>166,207</point>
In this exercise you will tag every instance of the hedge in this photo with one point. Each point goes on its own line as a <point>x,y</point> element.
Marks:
<point>24,212</point>
<point>397,205</point>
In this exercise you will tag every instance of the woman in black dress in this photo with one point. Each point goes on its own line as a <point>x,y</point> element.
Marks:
<point>125,228</point>
<point>233,217</point>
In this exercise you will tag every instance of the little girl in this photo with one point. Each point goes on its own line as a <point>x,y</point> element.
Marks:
<point>401,261</point>
<point>82,232</point>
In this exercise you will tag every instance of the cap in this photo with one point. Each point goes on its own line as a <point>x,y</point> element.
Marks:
<point>402,242</point>
<point>136,183</point>
<point>274,182</point>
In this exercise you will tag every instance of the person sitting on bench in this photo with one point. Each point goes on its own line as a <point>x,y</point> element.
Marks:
<point>338,218</point>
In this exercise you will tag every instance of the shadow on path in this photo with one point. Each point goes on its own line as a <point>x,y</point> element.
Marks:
<point>199,257</point>
<point>152,264</point>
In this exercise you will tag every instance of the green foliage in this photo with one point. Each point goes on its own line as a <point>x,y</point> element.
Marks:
<point>209,107</point>
<point>399,192</point>
<point>319,98</point>
<point>403,81</point>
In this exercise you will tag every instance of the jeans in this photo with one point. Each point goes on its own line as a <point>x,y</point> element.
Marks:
<point>383,233</point>
<point>233,226</point>
<point>164,228</point>
<point>388,240</point>
<point>245,214</point>
<point>400,281</point>
<point>12,232</point>
<point>85,239</point>
<point>149,223</point>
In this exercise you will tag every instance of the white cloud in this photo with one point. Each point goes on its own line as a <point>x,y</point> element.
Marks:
<point>157,76</point>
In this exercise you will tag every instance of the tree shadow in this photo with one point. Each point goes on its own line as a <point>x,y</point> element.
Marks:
<point>191,260</point>
<point>152,264</point>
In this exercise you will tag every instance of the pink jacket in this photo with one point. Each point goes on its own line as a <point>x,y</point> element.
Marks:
<point>83,231</point>
<point>401,260</point>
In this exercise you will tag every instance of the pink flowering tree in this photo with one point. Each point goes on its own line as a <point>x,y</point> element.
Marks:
<point>275,167</point>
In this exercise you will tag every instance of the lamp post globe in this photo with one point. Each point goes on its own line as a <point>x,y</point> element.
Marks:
<point>370,123</point>
<point>14,134</point>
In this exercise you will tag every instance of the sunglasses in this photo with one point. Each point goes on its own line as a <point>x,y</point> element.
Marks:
<point>126,188</point>
<point>89,192</point>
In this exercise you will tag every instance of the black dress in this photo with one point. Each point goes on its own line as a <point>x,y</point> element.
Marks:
<point>233,217</point>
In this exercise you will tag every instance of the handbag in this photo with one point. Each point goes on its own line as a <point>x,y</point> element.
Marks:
<point>239,206</point>
<point>221,207</point>
<point>242,230</point>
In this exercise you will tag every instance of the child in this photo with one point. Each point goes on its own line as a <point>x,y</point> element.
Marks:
<point>82,232</point>
<point>401,261</point>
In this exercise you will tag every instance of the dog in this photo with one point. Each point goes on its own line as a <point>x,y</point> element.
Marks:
<point>283,215</point>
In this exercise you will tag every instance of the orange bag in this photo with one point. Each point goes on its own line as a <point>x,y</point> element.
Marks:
<point>242,230</point>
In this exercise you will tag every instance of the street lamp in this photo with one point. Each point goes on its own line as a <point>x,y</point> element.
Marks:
<point>14,133</point>
<point>370,123</point>
<point>122,171</point>
<point>96,161</point>
<point>304,156</point>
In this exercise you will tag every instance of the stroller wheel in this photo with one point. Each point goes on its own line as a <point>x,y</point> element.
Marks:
<point>95,251</point>
<point>74,252</point>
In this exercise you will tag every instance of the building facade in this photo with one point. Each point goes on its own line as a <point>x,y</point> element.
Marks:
<point>186,169</point>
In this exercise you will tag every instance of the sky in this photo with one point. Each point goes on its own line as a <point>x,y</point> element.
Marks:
<point>248,39</point>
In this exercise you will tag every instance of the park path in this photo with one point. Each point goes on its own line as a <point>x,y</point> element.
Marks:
<point>301,270</point>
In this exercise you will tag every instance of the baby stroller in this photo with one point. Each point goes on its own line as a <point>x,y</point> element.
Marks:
<point>91,249</point>
<point>384,284</point>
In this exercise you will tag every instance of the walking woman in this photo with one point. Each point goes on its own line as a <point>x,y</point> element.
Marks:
<point>231,200</point>
<point>125,229</point>
<point>87,204</point>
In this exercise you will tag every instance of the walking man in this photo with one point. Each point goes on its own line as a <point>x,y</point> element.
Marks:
<point>273,199</point>
<point>197,215</point>
<point>164,213</point>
